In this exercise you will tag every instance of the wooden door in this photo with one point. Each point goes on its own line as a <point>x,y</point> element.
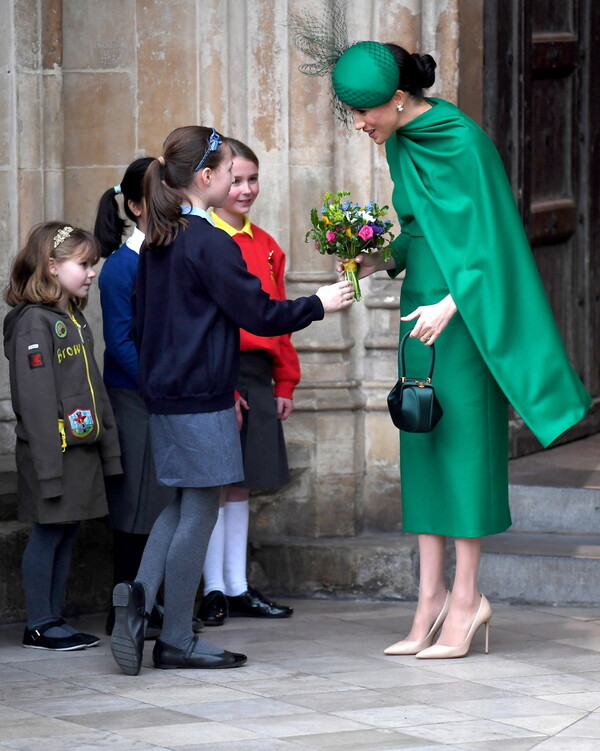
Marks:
<point>542,109</point>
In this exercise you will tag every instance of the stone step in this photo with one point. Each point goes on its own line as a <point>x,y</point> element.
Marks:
<point>518,567</point>
<point>567,510</point>
<point>541,568</point>
<point>378,566</point>
<point>8,487</point>
<point>90,577</point>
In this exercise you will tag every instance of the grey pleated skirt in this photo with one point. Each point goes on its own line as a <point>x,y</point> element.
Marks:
<point>200,450</point>
<point>134,498</point>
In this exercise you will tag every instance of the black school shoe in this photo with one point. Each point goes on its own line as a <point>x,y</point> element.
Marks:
<point>127,638</point>
<point>170,658</point>
<point>88,639</point>
<point>213,608</point>
<point>34,638</point>
<point>253,604</point>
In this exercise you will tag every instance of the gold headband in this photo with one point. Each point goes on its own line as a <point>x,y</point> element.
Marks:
<point>62,235</point>
<point>161,159</point>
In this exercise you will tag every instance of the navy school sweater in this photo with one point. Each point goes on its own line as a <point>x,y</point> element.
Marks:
<point>191,298</point>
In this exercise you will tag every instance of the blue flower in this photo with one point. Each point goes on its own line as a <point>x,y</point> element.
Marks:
<point>377,228</point>
<point>369,206</point>
<point>345,206</point>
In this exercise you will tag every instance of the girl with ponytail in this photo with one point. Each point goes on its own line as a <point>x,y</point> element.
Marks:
<point>193,293</point>
<point>135,498</point>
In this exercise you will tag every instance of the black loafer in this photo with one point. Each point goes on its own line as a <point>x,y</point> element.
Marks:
<point>127,638</point>
<point>169,658</point>
<point>213,608</point>
<point>253,604</point>
<point>35,638</point>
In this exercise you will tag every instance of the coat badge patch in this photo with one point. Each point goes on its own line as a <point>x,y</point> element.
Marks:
<point>36,360</point>
<point>60,329</point>
<point>81,422</point>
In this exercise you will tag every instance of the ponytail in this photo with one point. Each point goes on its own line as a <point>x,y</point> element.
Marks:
<point>164,219</point>
<point>110,225</point>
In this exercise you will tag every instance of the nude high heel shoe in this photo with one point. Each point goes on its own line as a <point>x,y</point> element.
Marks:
<point>406,647</point>
<point>441,652</point>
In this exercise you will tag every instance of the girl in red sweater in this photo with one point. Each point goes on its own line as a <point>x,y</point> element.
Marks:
<point>269,372</point>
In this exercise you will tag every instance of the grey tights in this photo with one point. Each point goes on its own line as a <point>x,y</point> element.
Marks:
<point>175,553</point>
<point>45,567</point>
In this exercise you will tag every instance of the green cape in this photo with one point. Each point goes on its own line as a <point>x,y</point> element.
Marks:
<point>459,196</point>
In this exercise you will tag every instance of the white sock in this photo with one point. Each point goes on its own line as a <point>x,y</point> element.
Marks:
<point>213,563</point>
<point>237,514</point>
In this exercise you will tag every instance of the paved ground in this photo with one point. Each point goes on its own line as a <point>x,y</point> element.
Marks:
<point>318,681</point>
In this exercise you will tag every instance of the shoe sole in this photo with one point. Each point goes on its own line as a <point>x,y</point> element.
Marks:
<point>194,667</point>
<point>56,649</point>
<point>122,643</point>
<point>258,615</point>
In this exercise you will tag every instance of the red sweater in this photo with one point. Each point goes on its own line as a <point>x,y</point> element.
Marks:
<point>265,259</point>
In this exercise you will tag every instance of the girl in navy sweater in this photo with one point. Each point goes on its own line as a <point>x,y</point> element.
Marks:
<point>193,294</point>
<point>135,498</point>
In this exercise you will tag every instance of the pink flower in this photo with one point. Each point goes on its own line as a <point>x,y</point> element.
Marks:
<point>330,236</point>
<point>316,245</point>
<point>366,232</point>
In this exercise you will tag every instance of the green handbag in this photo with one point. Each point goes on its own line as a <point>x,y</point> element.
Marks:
<point>412,402</point>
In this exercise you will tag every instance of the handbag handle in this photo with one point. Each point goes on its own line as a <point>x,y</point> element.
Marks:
<point>402,364</point>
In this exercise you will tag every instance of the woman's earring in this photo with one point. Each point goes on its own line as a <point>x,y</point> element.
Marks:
<point>400,108</point>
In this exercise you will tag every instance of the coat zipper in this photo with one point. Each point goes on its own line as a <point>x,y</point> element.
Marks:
<point>87,370</point>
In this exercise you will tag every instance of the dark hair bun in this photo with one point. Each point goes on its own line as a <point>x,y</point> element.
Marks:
<point>426,66</point>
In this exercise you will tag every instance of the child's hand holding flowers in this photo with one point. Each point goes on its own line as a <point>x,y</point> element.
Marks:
<point>345,229</point>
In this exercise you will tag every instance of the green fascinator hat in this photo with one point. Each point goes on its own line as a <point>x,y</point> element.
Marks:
<point>366,75</point>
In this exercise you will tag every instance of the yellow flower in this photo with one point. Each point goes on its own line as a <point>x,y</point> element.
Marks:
<point>349,232</point>
<point>326,220</point>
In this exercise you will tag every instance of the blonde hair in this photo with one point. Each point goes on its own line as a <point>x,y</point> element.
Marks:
<point>30,277</point>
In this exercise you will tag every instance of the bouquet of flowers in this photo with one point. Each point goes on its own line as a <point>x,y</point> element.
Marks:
<point>345,229</point>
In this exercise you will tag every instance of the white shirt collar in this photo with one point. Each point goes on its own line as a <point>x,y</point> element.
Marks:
<point>135,240</point>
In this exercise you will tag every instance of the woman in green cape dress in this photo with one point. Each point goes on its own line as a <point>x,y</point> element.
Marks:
<point>472,287</point>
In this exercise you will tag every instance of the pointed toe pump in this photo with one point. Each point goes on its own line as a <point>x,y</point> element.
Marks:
<point>441,652</point>
<point>406,647</point>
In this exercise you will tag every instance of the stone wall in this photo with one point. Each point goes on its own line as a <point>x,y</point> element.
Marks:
<point>87,86</point>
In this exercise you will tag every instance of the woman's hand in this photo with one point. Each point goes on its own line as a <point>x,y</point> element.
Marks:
<point>432,320</point>
<point>336,296</point>
<point>241,402</point>
<point>369,263</point>
<point>285,407</point>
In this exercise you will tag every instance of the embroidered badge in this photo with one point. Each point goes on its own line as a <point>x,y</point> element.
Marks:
<point>270,262</point>
<point>36,360</point>
<point>60,329</point>
<point>81,422</point>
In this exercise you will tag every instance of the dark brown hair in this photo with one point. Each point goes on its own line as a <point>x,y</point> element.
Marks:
<point>240,149</point>
<point>164,185</point>
<point>417,72</point>
<point>30,277</point>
